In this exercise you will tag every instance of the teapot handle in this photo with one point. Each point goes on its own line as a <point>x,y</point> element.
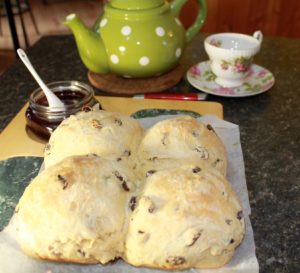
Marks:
<point>176,6</point>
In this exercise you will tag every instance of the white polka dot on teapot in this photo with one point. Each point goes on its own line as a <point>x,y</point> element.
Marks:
<point>144,60</point>
<point>122,48</point>
<point>103,22</point>
<point>178,52</point>
<point>114,58</point>
<point>178,22</point>
<point>126,30</point>
<point>160,31</point>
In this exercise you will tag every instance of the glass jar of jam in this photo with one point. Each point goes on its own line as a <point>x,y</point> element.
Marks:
<point>43,120</point>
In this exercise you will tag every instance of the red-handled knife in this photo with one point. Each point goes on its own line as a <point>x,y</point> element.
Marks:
<point>173,96</point>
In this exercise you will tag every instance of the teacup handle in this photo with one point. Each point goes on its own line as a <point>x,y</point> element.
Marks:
<point>176,6</point>
<point>258,36</point>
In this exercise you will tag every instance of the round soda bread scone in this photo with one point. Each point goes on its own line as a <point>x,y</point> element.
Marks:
<point>185,217</point>
<point>111,135</point>
<point>182,139</point>
<point>77,211</point>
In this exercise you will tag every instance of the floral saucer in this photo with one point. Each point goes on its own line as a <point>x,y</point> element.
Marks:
<point>258,80</point>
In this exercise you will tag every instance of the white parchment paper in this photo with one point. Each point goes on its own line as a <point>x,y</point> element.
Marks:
<point>12,260</point>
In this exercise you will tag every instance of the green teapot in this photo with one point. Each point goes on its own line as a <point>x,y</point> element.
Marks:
<point>135,38</point>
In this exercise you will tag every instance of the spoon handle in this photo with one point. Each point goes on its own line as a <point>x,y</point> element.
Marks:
<point>53,100</point>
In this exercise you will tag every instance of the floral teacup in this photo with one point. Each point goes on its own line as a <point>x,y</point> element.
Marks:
<point>231,55</point>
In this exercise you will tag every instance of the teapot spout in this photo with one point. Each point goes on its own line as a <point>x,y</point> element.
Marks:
<point>90,45</point>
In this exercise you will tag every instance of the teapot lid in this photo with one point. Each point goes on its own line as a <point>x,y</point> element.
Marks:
<point>136,4</point>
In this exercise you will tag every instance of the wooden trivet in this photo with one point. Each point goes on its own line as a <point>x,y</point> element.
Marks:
<point>111,83</point>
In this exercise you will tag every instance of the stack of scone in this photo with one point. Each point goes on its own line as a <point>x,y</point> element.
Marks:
<point>110,190</point>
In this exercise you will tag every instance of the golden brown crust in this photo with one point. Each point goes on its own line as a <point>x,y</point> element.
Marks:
<point>65,260</point>
<point>111,135</point>
<point>182,139</point>
<point>205,263</point>
<point>159,201</point>
<point>77,210</point>
<point>184,218</point>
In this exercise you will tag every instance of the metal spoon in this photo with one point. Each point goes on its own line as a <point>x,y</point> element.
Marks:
<point>53,100</point>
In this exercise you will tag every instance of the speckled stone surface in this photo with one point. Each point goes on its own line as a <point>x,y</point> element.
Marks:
<point>15,174</point>
<point>269,125</point>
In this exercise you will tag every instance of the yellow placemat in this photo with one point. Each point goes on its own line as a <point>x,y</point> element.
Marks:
<point>15,140</point>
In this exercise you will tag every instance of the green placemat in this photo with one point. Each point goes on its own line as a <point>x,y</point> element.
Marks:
<point>15,175</point>
<point>150,113</point>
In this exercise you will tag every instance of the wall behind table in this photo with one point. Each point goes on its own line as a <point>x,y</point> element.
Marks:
<point>272,17</point>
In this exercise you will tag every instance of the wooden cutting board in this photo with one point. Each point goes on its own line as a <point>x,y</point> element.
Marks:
<point>15,140</point>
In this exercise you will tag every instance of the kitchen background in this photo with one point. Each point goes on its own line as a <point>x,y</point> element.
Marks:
<point>45,17</point>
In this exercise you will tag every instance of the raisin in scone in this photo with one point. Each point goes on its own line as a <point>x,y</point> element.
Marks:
<point>111,135</point>
<point>77,211</point>
<point>185,217</point>
<point>182,139</point>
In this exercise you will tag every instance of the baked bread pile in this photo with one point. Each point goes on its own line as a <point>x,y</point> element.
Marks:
<point>158,198</point>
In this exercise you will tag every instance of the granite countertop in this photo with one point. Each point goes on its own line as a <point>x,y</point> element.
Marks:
<point>269,125</point>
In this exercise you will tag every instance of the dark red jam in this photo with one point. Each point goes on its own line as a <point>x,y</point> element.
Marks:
<point>68,97</point>
<point>42,120</point>
<point>41,127</point>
